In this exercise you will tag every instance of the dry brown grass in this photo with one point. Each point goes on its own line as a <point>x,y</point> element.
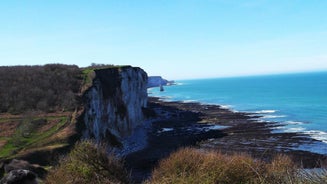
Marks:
<point>63,134</point>
<point>90,163</point>
<point>281,170</point>
<point>190,165</point>
<point>47,125</point>
<point>193,166</point>
<point>7,129</point>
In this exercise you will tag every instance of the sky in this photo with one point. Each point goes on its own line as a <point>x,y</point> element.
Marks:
<point>177,39</point>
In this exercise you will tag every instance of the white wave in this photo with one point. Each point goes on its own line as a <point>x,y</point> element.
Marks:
<point>166,98</point>
<point>212,127</point>
<point>295,129</point>
<point>165,130</point>
<point>293,123</point>
<point>273,116</point>
<point>225,106</point>
<point>318,135</point>
<point>222,106</point>
<point>315,134</point>
<point>216,127</point>
<point>189,101</point>
<point>265,111</point>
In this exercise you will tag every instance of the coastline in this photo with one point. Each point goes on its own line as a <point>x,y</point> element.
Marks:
<point>178,124</point>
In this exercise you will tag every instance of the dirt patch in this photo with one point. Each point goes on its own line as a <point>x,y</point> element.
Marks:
<point>48,124</point>
<point>7,129</point>
<point>65,133</point>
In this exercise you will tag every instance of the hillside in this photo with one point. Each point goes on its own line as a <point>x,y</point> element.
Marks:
<point>41,108</point>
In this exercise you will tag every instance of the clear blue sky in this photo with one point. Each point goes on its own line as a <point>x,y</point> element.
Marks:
<point>178,39</point>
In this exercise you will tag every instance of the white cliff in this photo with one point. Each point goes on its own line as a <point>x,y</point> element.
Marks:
<point>157,81</point>
<point>114,104</point>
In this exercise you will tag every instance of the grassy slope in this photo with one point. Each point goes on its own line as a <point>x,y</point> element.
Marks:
<point>38,136</point>
<point>53,133</point>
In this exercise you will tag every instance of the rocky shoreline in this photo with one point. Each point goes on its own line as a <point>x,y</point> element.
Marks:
<point>178,124</point>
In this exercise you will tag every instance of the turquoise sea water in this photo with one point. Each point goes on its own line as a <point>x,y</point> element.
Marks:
<point>298,101</point>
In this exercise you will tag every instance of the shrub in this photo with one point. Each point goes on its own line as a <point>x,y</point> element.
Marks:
<point>88,163</point>
<point>189,165</point>
<point>193,166</point>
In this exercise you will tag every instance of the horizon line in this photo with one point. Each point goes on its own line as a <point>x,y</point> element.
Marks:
<point>256,75</point>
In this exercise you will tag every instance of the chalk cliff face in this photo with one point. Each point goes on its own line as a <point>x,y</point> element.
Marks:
<point>156,81</point>
<point>114,103</point>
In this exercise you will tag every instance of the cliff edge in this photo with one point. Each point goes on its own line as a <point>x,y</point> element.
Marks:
<point>113,105</point>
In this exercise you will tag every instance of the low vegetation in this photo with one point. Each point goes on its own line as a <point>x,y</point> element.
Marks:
<point>89,73</point>
<point>89,163</point>
<point>190,165</point>
<point>31,133</point>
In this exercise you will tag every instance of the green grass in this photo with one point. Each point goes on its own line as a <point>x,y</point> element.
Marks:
<point>7,150</point>
<point>89,74</point>
<point>35,139</point>
<point>4,120</point>
<point>40,137</point>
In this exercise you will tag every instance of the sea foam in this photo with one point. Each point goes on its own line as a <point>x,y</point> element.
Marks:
<point>273,116</point>
<point>265,111</point>
<point>318,135</point>
<point>294,123</point>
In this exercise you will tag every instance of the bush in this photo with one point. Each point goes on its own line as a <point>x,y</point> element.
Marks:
<point>88,163</point>
<point>190,165</point>
<point>193,166</point>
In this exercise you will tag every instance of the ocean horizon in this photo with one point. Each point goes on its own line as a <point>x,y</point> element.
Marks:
<point>297,102</point>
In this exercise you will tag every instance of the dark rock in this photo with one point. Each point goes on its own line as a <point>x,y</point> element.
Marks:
<point>2,169</point>
<point>22,164</point>
<point>19,176</point>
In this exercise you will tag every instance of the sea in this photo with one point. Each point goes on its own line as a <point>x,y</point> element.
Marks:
<point>297,102</point>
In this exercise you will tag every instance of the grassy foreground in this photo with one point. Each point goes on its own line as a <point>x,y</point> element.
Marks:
<point>189,165</point>
<point>90,163</point>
